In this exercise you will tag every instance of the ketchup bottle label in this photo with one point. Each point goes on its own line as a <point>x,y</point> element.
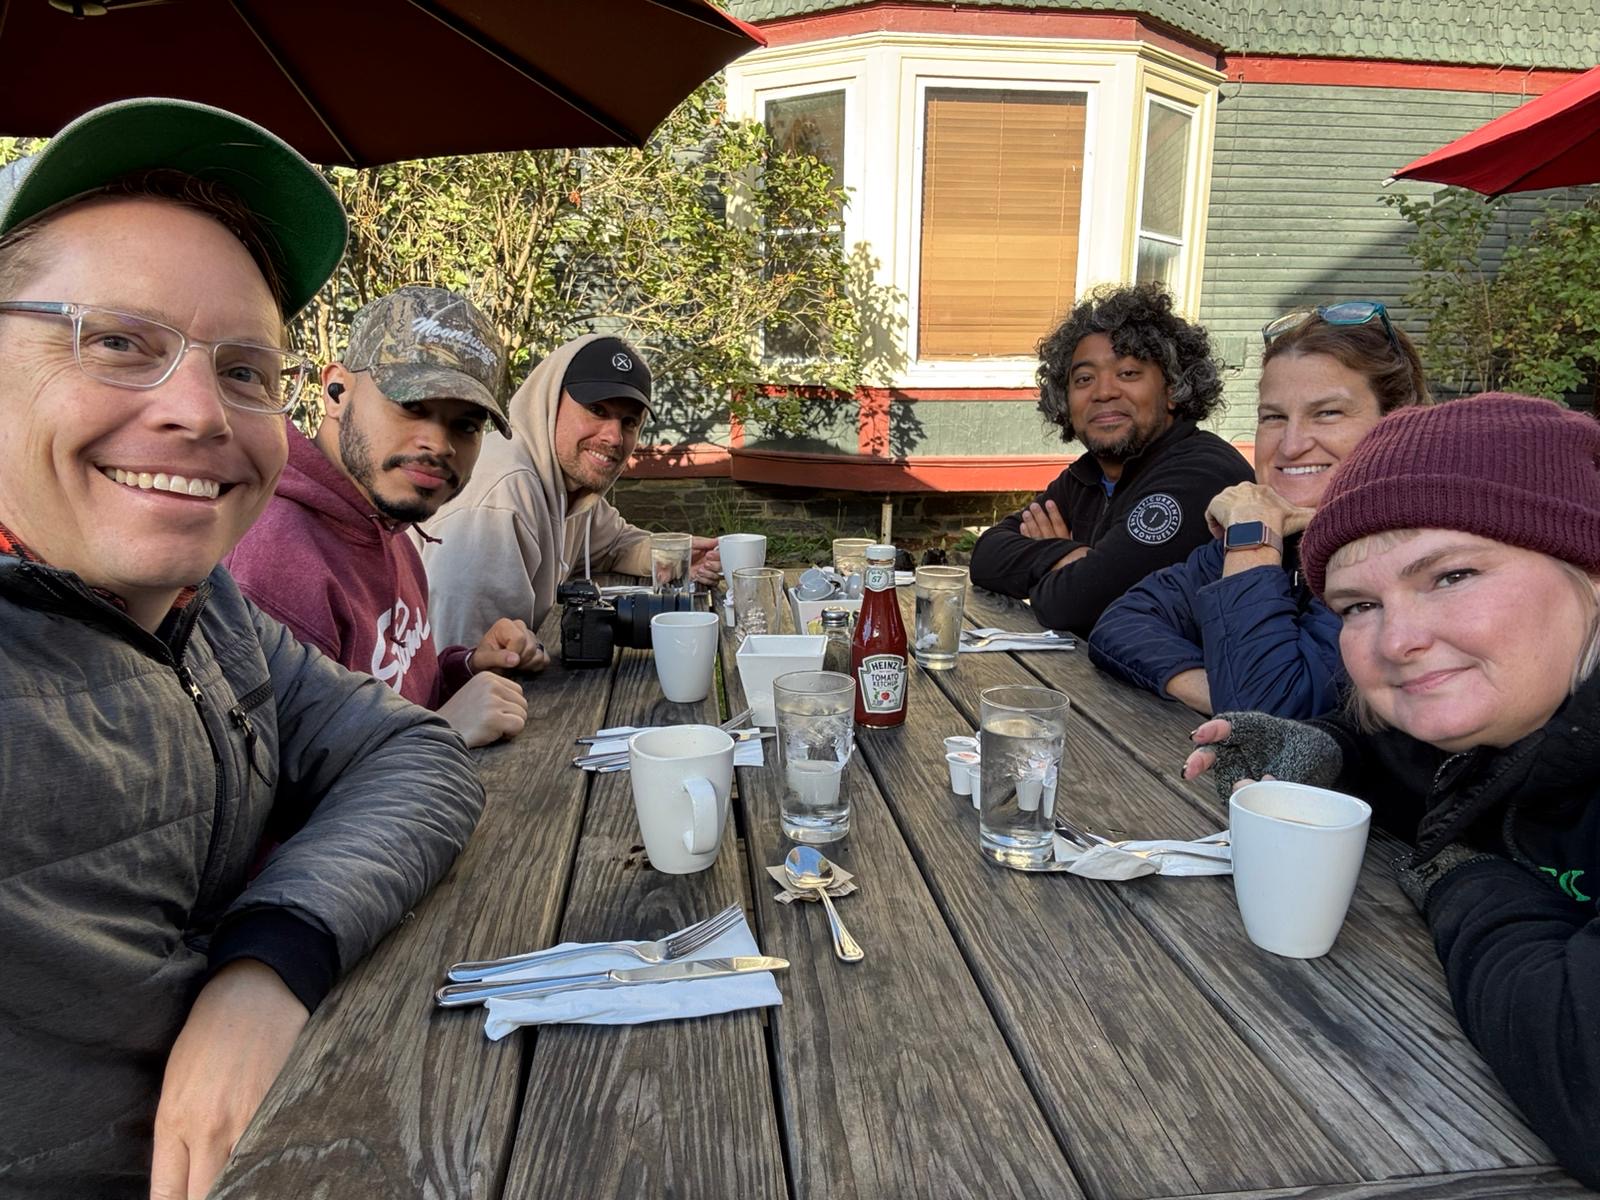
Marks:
<point>882,679</point>
<point>878,578</point>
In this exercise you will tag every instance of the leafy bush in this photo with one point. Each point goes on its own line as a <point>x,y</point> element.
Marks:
<point>1534,325</point>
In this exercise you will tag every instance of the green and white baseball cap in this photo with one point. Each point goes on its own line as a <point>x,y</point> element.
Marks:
<point>298,214</point>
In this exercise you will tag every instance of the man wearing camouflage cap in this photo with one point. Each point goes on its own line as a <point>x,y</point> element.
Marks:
<point>404,416</point>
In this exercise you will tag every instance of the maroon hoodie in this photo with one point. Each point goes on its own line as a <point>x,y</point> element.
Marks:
<point>345,579</point>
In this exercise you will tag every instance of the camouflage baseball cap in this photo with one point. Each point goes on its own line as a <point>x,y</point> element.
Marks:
<point>423,343</point>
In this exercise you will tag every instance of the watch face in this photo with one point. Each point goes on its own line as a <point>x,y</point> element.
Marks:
<point>1244,535</point>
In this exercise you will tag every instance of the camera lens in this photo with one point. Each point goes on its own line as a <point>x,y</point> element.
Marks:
<point>634,613</point>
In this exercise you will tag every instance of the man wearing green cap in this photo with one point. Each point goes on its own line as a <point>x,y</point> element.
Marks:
<point>158,728</point>
<point>405,411</point>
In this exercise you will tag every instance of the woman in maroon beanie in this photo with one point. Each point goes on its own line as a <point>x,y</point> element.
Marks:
<point>1460,544</point>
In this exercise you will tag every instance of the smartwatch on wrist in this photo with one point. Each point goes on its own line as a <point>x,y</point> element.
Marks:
<point>1247,535</point>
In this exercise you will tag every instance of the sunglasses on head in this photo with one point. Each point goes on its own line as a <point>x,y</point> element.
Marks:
<point>1346,312</point>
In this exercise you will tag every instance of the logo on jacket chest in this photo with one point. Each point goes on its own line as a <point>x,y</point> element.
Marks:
<point>401,633</point>
<point>1155,519</point>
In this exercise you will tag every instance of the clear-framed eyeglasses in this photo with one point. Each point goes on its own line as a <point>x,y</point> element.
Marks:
<point>129,351</point>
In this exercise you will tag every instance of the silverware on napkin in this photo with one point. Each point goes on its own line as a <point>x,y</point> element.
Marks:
<point>605,760</point>
<point>623,731</point>
<point>458,995</point>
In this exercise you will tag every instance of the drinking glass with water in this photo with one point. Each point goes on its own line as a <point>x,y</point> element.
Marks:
<point>816,736</point>
<point>1023,732</point>
<point>670,555</point>
<point>941,600</point>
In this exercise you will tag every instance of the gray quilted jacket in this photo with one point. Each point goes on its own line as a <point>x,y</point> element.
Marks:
<point>137,778</point>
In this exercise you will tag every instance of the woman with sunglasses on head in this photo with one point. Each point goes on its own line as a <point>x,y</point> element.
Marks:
<point>1460,545</point>
<point>1234,625</point>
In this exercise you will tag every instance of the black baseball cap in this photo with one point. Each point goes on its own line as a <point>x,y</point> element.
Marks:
<point>608,369</point>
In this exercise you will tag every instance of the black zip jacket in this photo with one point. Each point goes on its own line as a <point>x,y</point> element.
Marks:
<point>1154,517</point>
<point>1516,925</point>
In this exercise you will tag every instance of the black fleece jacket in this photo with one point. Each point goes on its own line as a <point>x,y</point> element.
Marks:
<point>1155,516</point>
<point>1517,924</point>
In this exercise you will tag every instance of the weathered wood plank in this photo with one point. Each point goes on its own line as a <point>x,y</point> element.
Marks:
<point>670,1108</point>
<point>1526,1183</point>
<point>1145,1084</point>
<point>894,1079</point>
<point>1366,1036</point>
<point>386,1094</point>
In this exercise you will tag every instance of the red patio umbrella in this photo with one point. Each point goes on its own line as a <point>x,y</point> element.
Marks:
<point>360,82</point>
<point>1553,141</point>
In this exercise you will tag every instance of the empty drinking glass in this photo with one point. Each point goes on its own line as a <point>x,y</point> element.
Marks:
<point>816,736</point>
<point>757,601</point>
<point>941,598</point>
<point>850,556</point>
<point>1023,732</point>
<point>669,562</point>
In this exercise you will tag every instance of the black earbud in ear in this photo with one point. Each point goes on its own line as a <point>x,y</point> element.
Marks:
<point>335,390</point>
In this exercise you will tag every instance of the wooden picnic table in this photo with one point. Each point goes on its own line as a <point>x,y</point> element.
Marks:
<point>1008,1034</point>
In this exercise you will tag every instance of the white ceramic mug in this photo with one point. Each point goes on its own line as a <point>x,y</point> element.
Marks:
<point>682,776</point>
<point>1297,851</point>
<point>741,550</point>
<point>685,647</point>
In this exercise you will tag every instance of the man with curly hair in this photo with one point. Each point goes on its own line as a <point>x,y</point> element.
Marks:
<point>1129,378</point>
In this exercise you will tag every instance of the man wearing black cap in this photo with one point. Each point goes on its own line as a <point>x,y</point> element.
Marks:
<point>405,412</point>
<point>534,514</point>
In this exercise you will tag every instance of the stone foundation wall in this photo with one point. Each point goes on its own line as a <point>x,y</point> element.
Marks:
<point>712,506</point>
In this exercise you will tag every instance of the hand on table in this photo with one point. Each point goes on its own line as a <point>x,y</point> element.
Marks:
<point>509,646</point>
<point>705,560</point>
<point>1242,747</point>
<point>487,708</point>
<point>234,1043</point>
<point>1044,521</point>
<point>1255,502</point>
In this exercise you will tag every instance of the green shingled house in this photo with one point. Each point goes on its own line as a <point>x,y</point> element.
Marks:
<point>1002,157</point>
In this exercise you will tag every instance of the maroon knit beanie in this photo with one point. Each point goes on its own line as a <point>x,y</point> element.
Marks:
<point>1512,468</point>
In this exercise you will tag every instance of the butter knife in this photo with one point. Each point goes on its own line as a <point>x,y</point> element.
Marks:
<point>457,995</point>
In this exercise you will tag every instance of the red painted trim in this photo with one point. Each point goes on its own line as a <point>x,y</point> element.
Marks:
<point>872,422</point>
<point>1335,72</point>
<point>863,473</point>
<point>692,460</point>
<point>897,16</point>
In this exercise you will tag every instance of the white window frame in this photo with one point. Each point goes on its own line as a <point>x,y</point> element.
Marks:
<point>1185,238</point>
<point>886,74</point>
<point>928,83</point>
<point>799,91</point>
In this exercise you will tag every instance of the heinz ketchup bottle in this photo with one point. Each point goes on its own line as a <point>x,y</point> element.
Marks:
<point>878,649</point>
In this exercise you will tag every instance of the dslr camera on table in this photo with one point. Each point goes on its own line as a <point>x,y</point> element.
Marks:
<point>593,623</point>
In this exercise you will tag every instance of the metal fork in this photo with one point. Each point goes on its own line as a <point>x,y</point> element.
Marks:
<point>971,637</point>
<point>677,945</point>
<point>1089,841</point>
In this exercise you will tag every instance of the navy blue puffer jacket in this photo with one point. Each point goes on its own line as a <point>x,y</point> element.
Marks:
<point>1265,642</point>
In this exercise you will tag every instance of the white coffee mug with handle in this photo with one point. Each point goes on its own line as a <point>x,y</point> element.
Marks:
<point>685,649</point>
<point>1297,852</point>
<point>682,776</point>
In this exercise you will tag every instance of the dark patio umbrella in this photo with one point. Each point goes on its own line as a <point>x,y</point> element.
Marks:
<point>1550,142</point>
<point>358,82</point>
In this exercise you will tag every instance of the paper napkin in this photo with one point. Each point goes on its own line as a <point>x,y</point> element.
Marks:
<point>843,884</point>
<point>1001,642</point>
<point>745,754</point>
<point>635,1004</point>
<point>1133,859</point>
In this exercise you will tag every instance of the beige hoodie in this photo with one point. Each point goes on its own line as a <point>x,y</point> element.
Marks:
<point>510,538</point>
